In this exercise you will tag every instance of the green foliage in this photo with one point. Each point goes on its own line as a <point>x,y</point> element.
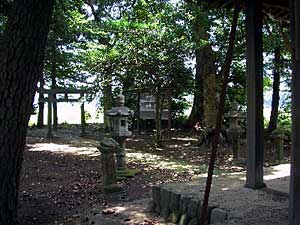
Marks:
<point>148,46</point>
<point>285,122</point>
<point>87,115</point>
<point>66,38</point>
<point>143,50</point>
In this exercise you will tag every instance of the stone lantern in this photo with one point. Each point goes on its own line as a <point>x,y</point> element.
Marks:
<point>119,120</point>
<point>235,129</point>
<point>277,139</point>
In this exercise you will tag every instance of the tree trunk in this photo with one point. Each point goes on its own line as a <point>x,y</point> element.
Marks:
<point>205,66</point>
<point>107,99</point>
<point>196,114</point>
<point>210,99</point>
<point>53,86</point>
<point>22,53</point>
<point>205,69</point>
<point>169,97</point>
<point>40,122</point>
<point>158,110</point>
<point>275,95</point>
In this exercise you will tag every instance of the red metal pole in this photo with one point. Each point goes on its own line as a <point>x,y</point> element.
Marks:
<point>225,73</point>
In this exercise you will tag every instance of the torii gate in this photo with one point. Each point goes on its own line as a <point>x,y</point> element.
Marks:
<point>49,99</point>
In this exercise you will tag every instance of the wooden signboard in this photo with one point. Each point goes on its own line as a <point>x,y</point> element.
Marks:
<point>147,107</point>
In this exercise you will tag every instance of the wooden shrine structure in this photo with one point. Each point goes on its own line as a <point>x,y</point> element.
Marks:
<point>287,11</point>
<point>65,98</point>
<point>146,108</point>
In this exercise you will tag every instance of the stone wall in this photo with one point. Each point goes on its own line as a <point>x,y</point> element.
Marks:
<point>181,204</point>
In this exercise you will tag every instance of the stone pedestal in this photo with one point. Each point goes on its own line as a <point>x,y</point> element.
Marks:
<point>121,155</point>
<point>235,129</point>
<point>108,147</point>
<point>235,135</point>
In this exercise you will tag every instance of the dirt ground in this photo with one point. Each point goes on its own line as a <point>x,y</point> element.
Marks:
<point>61,176</point>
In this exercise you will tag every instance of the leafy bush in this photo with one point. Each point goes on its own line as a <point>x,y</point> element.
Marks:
<point>285,122</point>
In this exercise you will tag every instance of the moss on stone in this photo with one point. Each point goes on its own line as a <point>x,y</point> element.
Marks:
<point>128,173</point>
<point>174,217</point>
<point>183,219</point>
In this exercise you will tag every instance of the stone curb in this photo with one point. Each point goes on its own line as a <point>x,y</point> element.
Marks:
<point>182,207</point>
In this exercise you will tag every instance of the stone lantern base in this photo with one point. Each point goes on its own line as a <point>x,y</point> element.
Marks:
<point>128,173</point>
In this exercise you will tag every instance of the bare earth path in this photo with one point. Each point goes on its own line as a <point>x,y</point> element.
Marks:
<point>61,177</point>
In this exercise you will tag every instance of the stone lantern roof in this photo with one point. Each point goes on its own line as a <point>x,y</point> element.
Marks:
<point>234,112</point>
<point>120,109</point>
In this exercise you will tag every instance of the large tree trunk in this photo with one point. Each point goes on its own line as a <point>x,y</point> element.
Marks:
<point>196,114</point>
<point>276,89</point>
<point>22,53</point>
<point>40,122</point>
<point>205,69</point>
<point>54,86</point>
<point>210,101</point>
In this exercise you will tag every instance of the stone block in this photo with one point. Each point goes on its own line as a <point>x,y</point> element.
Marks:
<point>165,213</point>
<point>199,209</point>
<point>183,204</point>
<point>164,198</point>
<point>218,216</point>
<point>192,210</point>
<point>174,201</point>
<point>156,194</point>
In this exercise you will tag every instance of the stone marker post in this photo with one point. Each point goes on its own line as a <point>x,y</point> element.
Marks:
<point>277,141</point>
<point>119,119</point>
<point>235,129</point>
<point>108,147</point>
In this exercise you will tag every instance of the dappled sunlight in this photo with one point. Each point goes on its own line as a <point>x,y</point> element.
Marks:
<point>277,178</point>
<point>174,146</point>
<point>63,148</point>
<point>276,172</point>
<point>159,162</point>
<point>133,139</point>
<point>184,139</point>
<point>130,213</point>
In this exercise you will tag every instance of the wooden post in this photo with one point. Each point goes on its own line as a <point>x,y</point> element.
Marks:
<point>254,56</point>
<point>294,209</point>
<point>82,118</point>
<point>49,134</point>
